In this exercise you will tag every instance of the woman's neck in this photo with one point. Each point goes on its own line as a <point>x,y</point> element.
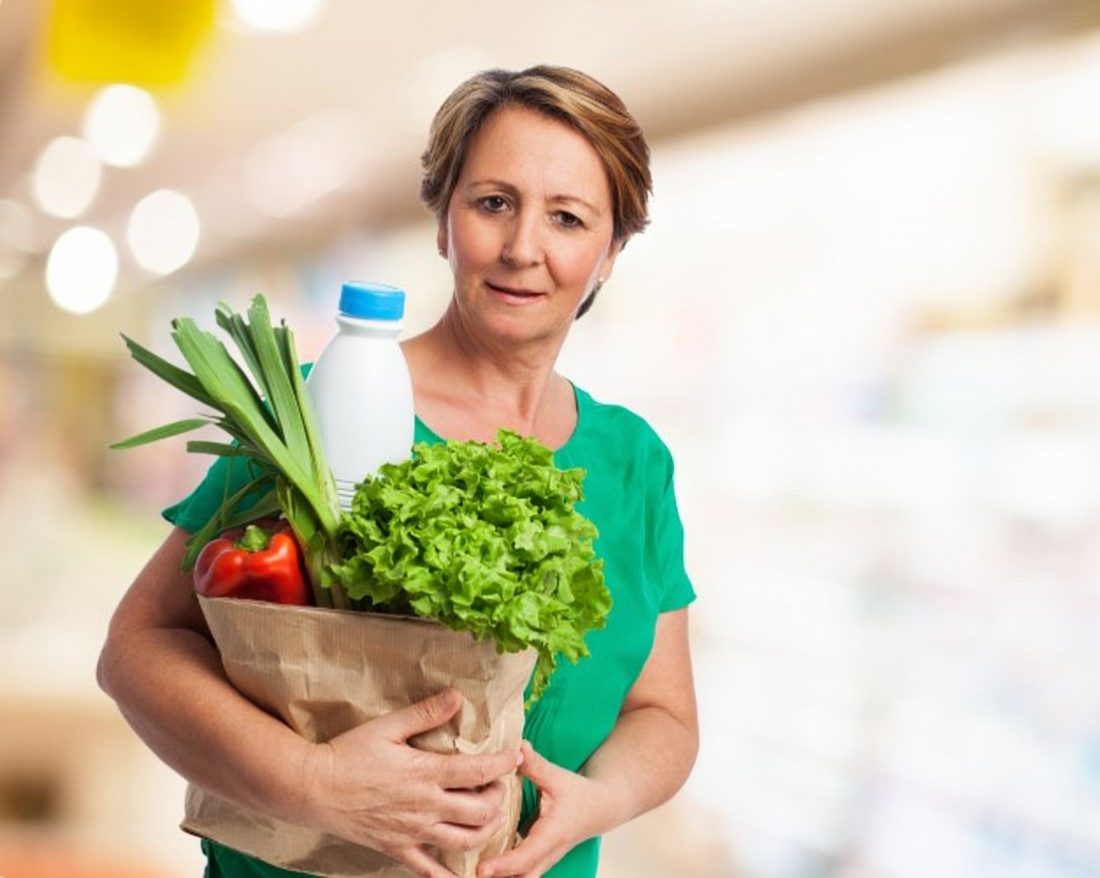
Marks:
<point>455,371</point>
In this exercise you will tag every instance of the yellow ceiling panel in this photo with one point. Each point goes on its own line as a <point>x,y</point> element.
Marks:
<point>144,42</point>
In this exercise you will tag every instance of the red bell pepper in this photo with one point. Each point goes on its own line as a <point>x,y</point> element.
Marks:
<point>261,565</point>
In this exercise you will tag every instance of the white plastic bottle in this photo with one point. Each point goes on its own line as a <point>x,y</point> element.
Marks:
<point>360,387</point>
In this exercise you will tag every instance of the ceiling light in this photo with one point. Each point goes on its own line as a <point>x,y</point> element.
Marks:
<point>163,231</point>
<point>278,16</point>
<point>81,270</point>
<point>66,177</point>
<point>122,123</point>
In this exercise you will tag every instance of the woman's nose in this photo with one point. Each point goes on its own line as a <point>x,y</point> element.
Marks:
<point>522,245</point>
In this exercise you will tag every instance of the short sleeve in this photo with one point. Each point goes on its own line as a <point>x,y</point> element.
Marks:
<point>665,540</point>
<point>222,481</point>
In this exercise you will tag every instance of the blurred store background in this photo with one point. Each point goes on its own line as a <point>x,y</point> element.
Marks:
<point>866,317</point>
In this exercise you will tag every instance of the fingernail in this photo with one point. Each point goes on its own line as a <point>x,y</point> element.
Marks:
<point>519,758</point>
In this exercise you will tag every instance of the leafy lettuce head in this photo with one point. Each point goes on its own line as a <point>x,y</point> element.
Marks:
<point>483,538</point>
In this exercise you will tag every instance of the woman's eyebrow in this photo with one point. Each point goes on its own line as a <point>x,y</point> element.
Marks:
<point>573,199</point>
<point>495,184</point>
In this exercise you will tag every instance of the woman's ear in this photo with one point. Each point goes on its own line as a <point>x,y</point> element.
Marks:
<point>609,260</point>
<point>441,240</point>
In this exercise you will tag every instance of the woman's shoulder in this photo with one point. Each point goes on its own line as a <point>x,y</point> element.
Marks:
<point>627,425</point>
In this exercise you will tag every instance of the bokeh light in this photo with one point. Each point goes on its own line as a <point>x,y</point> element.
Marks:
<point>81,270</point>
<point>163,231</point>
<point>276,16</point>
<point>66,177</point>
<point>122,123</point>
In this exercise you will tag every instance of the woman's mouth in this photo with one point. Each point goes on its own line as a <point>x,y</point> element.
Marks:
<point>514,295</point>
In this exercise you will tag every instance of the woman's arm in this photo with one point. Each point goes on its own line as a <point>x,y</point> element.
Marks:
<point>644,761</point>
<point>366,785</point>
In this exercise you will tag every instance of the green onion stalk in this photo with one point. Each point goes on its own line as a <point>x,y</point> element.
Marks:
<point>269,418</point>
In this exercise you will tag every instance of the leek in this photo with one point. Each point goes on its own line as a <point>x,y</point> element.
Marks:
<point>267,414</point>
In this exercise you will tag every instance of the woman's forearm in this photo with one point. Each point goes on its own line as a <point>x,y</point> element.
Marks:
<point>642,764</point>
<point>649,754</point>
<point>167,679</point>
<point>170,687</point>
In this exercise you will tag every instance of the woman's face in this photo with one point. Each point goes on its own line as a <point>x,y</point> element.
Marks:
<point>528,229</point>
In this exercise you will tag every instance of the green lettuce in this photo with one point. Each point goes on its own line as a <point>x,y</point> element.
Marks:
<point>483,538</point>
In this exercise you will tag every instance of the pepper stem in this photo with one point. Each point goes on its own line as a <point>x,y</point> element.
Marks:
<point>255,539</point>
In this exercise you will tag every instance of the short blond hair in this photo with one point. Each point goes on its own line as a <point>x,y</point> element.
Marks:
<point>562,93</point>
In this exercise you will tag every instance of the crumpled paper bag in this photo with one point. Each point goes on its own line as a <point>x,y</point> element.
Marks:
<point>326,671</point>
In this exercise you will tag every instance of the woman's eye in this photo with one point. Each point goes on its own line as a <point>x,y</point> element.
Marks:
<point>569,220</point>
<point>494,203</point>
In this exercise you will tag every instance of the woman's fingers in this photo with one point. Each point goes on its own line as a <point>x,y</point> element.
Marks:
<point>462,838</point>
<point>472,807</point>
<point>461,772</point>
<point>541,772</point>
<point>423,716</point>
<point>534,855</point>
<point>562,795</point>
<point>458,771</point>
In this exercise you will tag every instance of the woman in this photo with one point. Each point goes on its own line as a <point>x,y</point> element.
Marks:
<point>537,180</point>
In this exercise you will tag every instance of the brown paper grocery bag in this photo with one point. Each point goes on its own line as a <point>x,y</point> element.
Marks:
<point>326,671</point>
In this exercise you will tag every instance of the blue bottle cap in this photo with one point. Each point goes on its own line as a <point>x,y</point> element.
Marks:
<point>369,301</point>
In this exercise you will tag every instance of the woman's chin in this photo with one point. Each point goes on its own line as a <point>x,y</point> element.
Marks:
<point>520,326</point>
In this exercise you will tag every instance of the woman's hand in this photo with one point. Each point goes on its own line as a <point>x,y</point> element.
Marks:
<point>572,808</point>
<point>371,787</point>
<point>642,763</point>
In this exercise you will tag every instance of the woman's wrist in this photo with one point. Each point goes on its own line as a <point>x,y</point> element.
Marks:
<point>607,801</point>
<point>284,778</point>
<point>312,790</point>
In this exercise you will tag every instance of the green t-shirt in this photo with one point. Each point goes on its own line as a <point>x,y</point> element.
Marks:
<point>629,496</point>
